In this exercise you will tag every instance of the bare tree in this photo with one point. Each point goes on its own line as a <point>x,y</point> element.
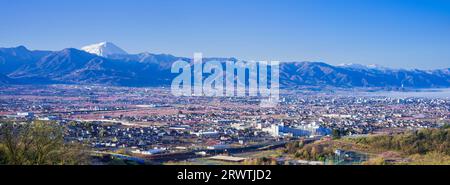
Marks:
<point>38,143</point>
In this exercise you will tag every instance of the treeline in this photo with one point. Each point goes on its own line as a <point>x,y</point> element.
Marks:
<point>38,143</point>
<point>413,142</point>
<point>314,152</point>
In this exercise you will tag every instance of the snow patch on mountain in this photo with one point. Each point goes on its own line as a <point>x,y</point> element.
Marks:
<point>104,49</point>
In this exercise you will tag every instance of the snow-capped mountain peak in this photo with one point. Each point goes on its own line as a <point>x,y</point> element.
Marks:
<point>104,49</point>
<point>361,66</point>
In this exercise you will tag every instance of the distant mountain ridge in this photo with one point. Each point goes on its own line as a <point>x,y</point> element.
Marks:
<point>315,73</point>
<point>19,65</point>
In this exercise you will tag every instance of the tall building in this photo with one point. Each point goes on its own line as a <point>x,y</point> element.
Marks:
<point>312,129</point>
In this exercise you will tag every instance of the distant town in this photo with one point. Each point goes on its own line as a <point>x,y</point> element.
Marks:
<point>149,125</point>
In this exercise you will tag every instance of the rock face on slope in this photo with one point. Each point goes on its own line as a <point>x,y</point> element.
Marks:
<point>104,49</point>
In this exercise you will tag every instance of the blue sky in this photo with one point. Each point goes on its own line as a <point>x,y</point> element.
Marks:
<point>393,33</point>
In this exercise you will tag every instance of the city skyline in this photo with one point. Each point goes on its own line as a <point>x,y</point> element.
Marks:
<point>400,34</point>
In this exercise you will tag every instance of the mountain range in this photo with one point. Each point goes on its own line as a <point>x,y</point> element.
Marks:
<point>107,64</point>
